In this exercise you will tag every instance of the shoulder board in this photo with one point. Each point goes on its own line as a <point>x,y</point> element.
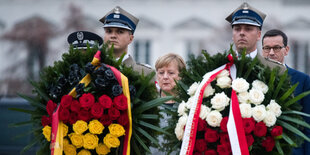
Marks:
<point>144,65</point>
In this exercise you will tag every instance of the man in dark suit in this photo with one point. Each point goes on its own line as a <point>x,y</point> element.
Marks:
<point>247,23</point>
<point>275,47</point>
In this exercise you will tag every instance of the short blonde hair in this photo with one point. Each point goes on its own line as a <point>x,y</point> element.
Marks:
<point>165,60</point>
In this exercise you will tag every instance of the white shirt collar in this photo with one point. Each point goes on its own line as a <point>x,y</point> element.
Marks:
<point>125,57</point>
<point>251,55</point>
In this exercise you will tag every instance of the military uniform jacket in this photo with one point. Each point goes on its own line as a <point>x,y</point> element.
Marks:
<point>140,68</point>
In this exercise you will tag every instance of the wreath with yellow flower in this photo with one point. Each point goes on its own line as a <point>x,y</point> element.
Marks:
<point>93,116</point>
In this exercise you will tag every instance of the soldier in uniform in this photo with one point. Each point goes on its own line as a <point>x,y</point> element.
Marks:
<point>80,39</point>
<point>247,23</point>
<point>119,27</point>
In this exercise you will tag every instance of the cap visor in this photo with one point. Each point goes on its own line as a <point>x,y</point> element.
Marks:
<point>246,21</point>
<point>119,25</point>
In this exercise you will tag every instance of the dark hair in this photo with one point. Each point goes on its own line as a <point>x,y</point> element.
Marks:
<point>276,32</point>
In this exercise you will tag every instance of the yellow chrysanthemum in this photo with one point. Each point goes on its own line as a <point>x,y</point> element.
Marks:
<point>76,139</point>
<point>111,141</point>
<point>69,149</point>
<point>95,127</point>
<point>79,127</point>
<point>66,142</point>
<point>64,128</point>
<point>116,130</point>
<point>102,149</point>
<point>84,152</point>
<point>90,141</point>
<point>46,131</point>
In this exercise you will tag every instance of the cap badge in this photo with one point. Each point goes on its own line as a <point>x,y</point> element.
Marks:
<point>80,35</point>
<point>116,10</point>
<point>116,16</point>
<point>245,11</point>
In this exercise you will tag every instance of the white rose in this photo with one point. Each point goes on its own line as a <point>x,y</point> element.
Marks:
<point>182,108</point>
<point>189,102</point>
<point>214,118</point>
<point>270,119</point>
<point>179,131</point>
<point>259,113</point>
<point>256,96</point>
<point>182,120</point>
<point>243,97</point>
<point>204,111</point>
<point>240,85</point>
<point>246,110</point>
<point>192,89</point>
<point>260,86</point>
<point>208,91</point>
<point>275,108</point>
<point>223,82</point>
<point>224,73</point>
<point>220,101</point>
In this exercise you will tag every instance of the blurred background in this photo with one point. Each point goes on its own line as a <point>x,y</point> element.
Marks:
<point>33,34</point>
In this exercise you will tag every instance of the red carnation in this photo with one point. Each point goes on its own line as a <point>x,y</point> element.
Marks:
<point>276,131</point>
<point>223,124</point>
<point>46,120</point>
<point>223,149</point>
<point>66,101</point>
<point>75,106</point>
<point>249,139</point>
<point>84,115</point>
<point>73,118</point>
<point>268,143</point>
<point>120,102</point>
<point>123,119</point>
<point>202,125</point>
<point>210,152</point>
<point>224,138</point>
<point>113,113</point>
<point>96,110</point>
<point>248,125</point>
<point>260,129</point>
<point>211,135</point>
<point>50,107</point>
<point>87,100</point>
<point>64,114</point>
<point>105,101</point>
<point>200,145</point>
<point>105,120</point>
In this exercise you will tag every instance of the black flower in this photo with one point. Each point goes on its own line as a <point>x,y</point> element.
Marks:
<point>62,80</point>
<point>79,89</point>
<point>132,91</point>
<point>74,68</point>
<point>73,78</point>
<point>55,91</point>
<point>109,75</point>
<point>101,82</point>
<point>89,68</point>
<point>117,90</point>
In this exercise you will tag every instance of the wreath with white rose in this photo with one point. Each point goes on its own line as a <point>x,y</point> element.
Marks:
<point>271,117</point>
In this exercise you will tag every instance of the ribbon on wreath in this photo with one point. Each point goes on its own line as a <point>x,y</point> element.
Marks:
<point>57,134</point>
<point>235,127</point>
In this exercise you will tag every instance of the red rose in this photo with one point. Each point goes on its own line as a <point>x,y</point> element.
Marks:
<point>50,107</point>
<point>120,102</point>
<point>105,101</point>
<point>260,129</point>
<point>66,101</point>
<point>276,131</point>
<point>224,124</point>
<point>200,145</point>
<point>64,114</point>
<point>224,138</point>
<point>202,125</point>
<point>75,106</point>
<point>84,115</point>
<point>105,120</point>
<point>96,110</point>
<point>123,119</point>
<point>268,143</point>
<point>87,100</point>
<point>211,135</point>
<point>46,120</point>
<point>210,152</point>
<point>248,125</point>
<point>113,113</point>
<point>223,149</point>
<point>197,153</point>
<point>73,118</point>
<point>249,139</point>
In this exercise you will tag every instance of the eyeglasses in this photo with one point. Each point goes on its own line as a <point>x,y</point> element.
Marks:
<point>275,49</point>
